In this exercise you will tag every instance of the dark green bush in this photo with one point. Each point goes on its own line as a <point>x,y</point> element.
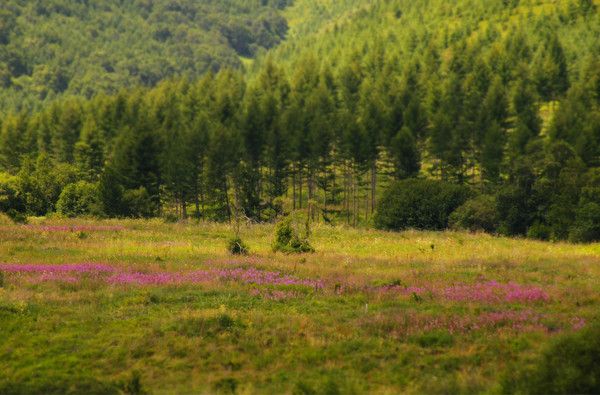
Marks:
<point>236,246</point>
<point>138,203</point>
<point>571,365</point>
<point>11,201</point>
<point>477,214</point>
<point>587,224</point>
<point>419,204</point>
<point>539,231</point>
<point>79,199</point>
<point>289,237</point>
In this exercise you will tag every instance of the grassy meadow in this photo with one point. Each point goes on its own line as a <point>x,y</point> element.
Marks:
<point>145,306</point>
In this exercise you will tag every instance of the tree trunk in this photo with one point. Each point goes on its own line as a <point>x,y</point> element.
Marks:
<point>347,194</point>
<point>294,187</point>
<point>300,188</point>
<point>373,186</point>
<point>183,207</point>
<point>227,200</point>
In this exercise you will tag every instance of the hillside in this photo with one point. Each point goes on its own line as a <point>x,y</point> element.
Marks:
<point>62,47</point>
<point>501,98</point>
<point>410,30</point>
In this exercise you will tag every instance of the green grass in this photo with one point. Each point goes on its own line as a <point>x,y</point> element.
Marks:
<point>90,336</point>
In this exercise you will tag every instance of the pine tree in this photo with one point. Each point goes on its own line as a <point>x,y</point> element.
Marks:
<point>89,151</point>
<point>405,154</point>
<point>492,153</point>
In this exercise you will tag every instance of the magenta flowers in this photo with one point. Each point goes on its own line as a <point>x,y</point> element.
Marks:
<point>76,228</point>
<point>488,292</point>
<point>249,276</point>
<point>63,268</point>
<point>113,275</point>
<point>495,292</point>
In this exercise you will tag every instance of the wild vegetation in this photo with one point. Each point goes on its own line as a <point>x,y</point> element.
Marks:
<point>53,48</point>
<point>200,194</point>
<point>499,97</point>
<point>111,306</point>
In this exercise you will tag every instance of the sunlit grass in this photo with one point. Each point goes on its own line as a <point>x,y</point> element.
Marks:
<point>364,330</point>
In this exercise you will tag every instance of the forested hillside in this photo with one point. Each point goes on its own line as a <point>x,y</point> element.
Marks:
<point>54,47</point>
<point>499,97</point>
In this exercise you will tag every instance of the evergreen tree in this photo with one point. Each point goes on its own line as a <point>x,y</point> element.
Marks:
<point>405,154</point>
<point>89,151</point>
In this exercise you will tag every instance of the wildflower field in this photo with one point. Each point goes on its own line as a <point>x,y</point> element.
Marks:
<point>144,306</point>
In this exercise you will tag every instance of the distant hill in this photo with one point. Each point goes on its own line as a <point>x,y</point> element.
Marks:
<point>57,47</point>
<point>406,30</point>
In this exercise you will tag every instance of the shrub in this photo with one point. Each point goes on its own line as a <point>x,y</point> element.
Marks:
<point>236,246</point>
<point>478,214</point>
<point>289,238</point>
<point>138,203</point>
<point>78,199</point>
<point>539,231</point>
<point>587,224</point>
<point>514,209</point>
<point>571,365</point>
<point>11,202</point>
<point>419,204</point>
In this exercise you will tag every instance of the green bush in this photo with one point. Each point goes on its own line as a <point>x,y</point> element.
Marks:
<point>571,365</point>
<point>138,203</point>
<point>79,199</point>
<point>11,202</point>
<point>289,238</point>
<point>477,214</point>
<point>419,204</point>
<point>236,246</point>
<point>587,224</point>
<point>539,231</point>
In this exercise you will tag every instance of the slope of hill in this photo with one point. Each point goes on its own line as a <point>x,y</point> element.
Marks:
<point>336,30</point>
<point>500,95</point>
<point>48,48</point>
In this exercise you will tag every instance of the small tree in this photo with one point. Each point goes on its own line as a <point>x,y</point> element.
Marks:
<point>236,245</point>
<point>292,234</point>
<point>11,201</point>
<point>78,199</point>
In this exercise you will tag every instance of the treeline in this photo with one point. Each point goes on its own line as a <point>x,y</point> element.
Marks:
<point>503,114</point>
<point>53,48</point>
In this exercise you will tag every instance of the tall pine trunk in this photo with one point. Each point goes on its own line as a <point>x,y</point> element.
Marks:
<point>294,187</point>
<point>373,186</point>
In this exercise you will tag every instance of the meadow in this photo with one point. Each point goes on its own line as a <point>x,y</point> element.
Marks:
<point>134,306</point>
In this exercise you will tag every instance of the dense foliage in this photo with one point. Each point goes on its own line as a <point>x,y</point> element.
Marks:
<point>55,47</point>
<point>571,365</point>
<point>502,97</point>
<point>419,204</point>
